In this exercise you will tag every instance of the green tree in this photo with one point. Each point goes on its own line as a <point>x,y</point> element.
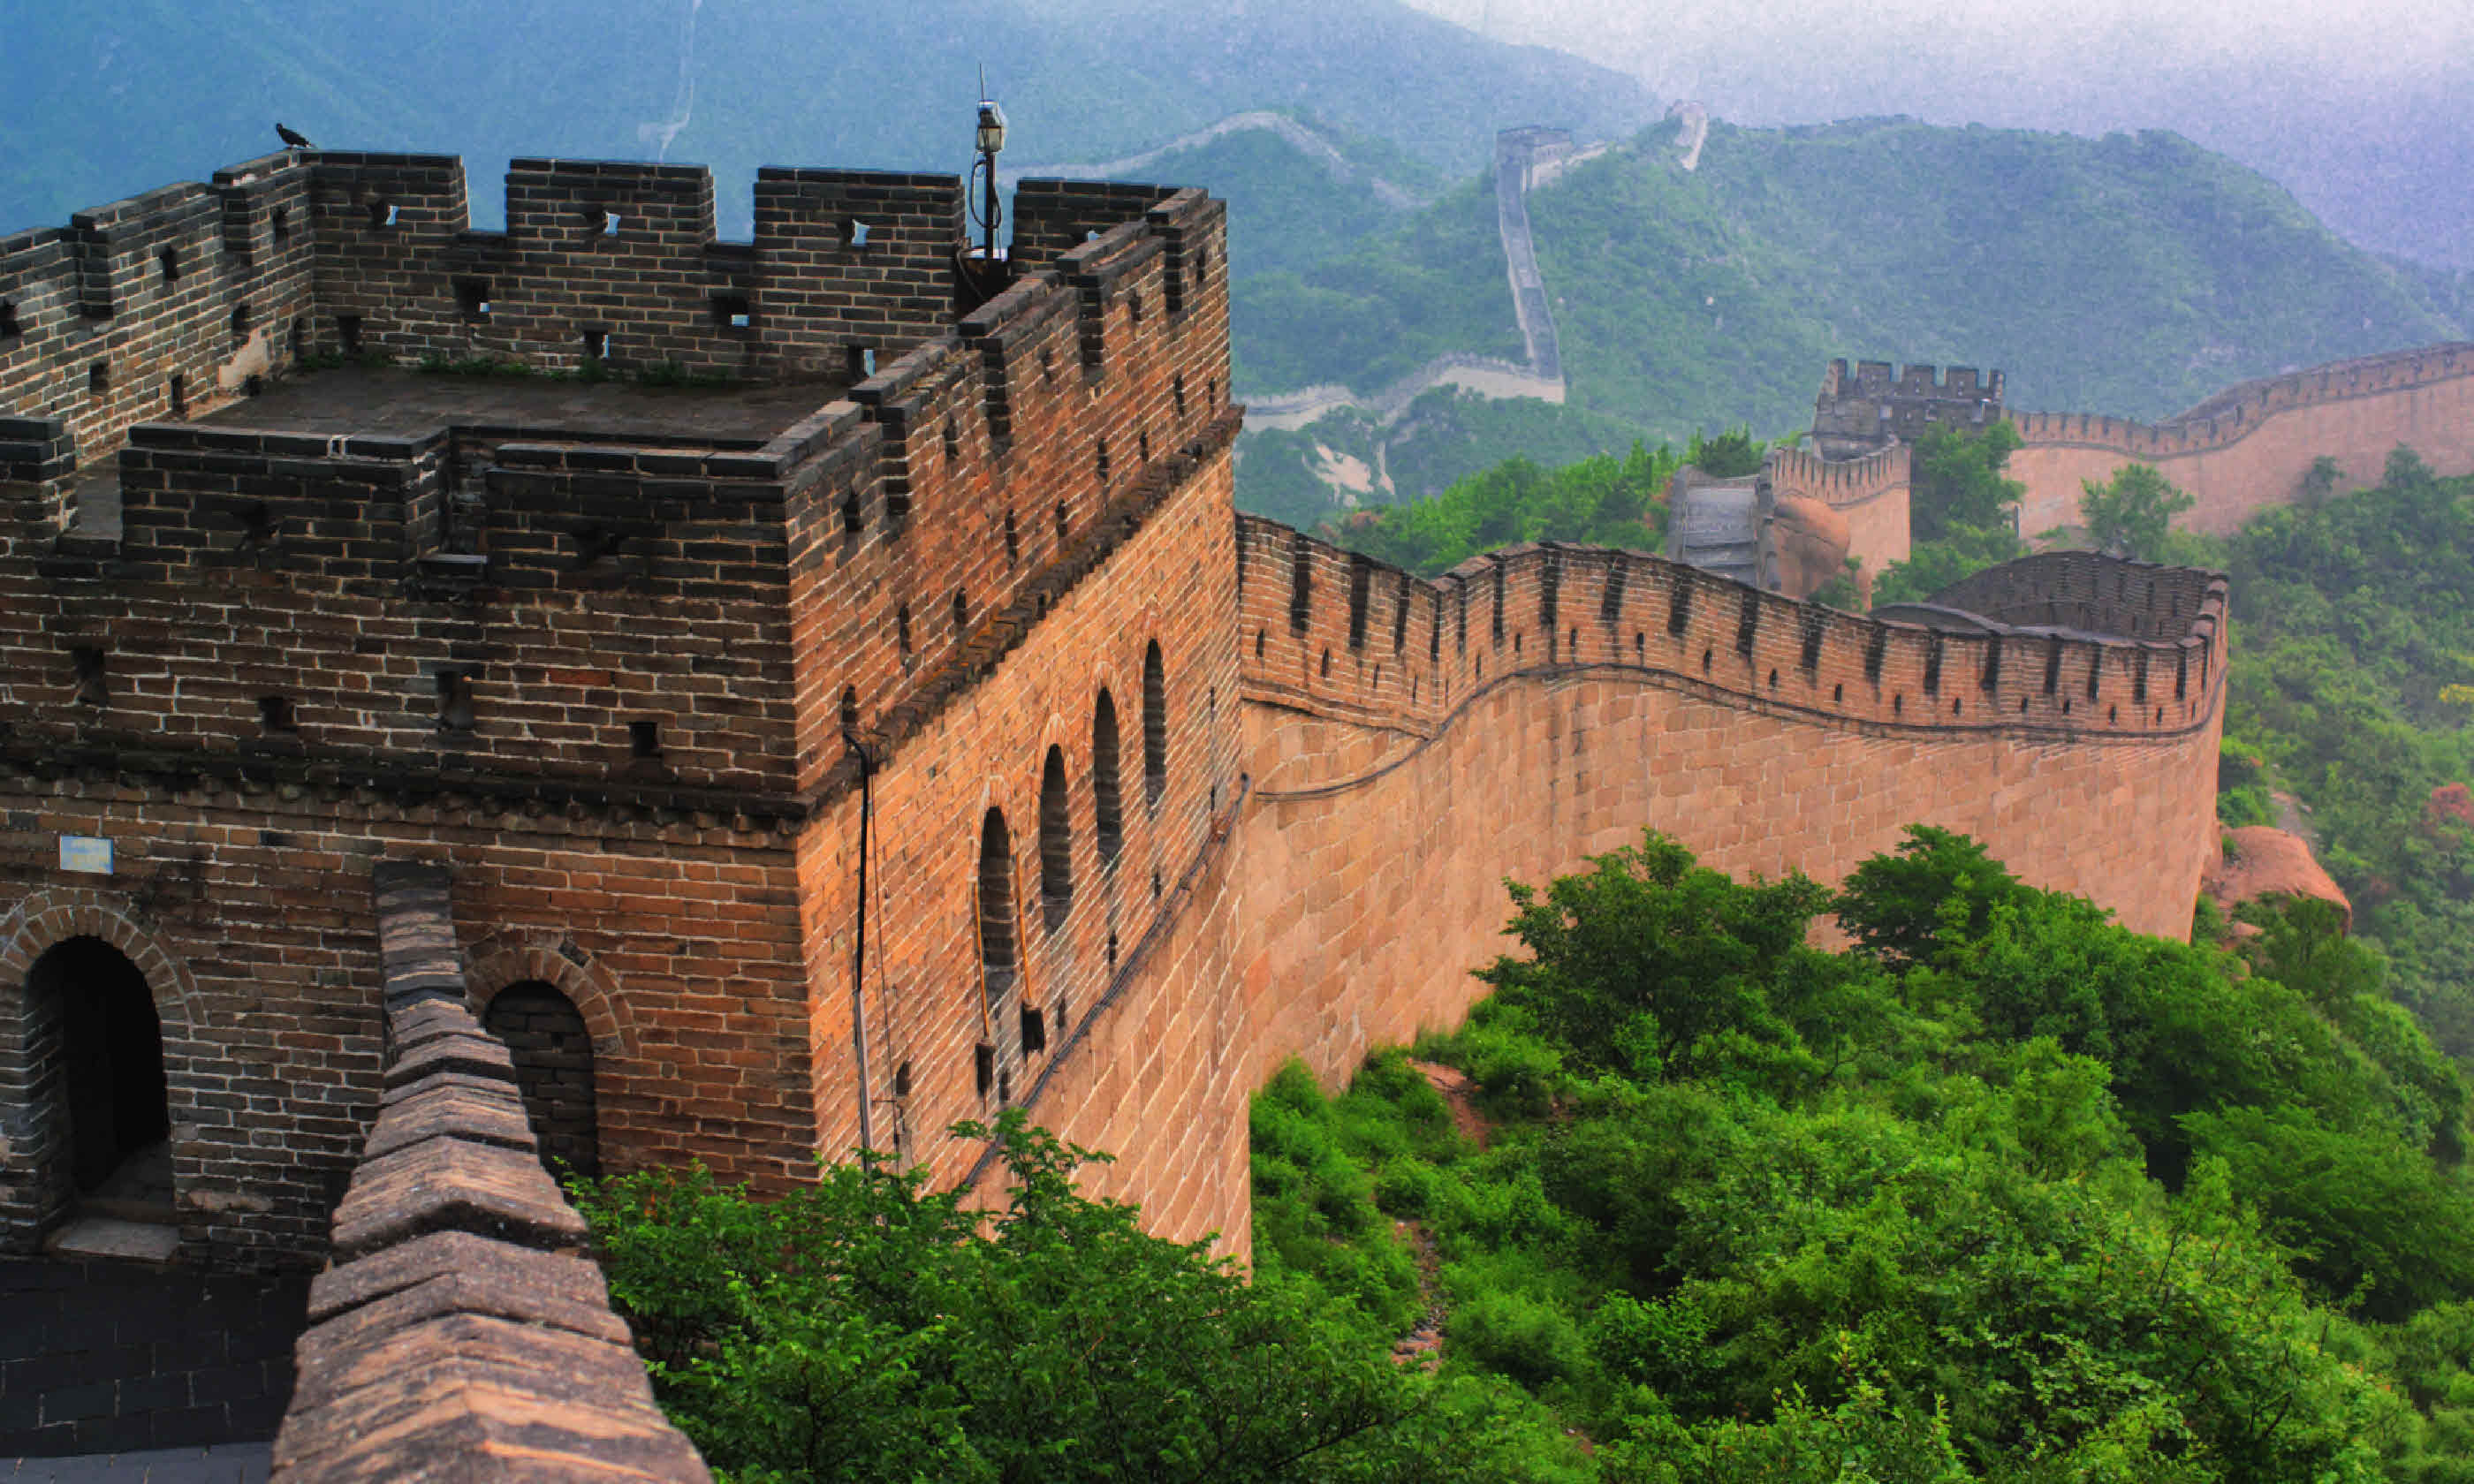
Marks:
<point>1958,481</point>
<point>2131,512</point>
<point>2320,484</point>
<point>866,1328</point>
<point>1730,455</point>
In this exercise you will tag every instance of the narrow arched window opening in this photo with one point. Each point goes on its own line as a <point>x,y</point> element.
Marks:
<point>1154,726</point>
<point>996,906</point>
<point>90,1017</point>
<point>1104,788</point>
<point>552,1051</point>
<point>1056,842</point>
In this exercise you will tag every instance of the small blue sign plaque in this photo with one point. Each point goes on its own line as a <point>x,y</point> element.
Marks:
<point>85,853</point>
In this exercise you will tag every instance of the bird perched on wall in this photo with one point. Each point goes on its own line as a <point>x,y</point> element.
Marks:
<point>293,137</point>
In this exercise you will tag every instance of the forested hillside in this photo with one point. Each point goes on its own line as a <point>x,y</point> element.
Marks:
<point>2133,274</point>
<point>2353,686</point>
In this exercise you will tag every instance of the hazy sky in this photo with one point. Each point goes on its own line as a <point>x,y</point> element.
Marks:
<point>1668,45</point>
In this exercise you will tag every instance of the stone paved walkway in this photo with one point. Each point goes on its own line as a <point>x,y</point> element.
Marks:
<point>243,1463</point>
<point>111,1358</point>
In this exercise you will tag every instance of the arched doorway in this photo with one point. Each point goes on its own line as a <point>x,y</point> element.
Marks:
<point>552,1051</point>
<point>108,1047</point>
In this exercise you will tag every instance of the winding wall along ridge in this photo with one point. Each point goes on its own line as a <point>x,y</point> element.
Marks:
<point>2248,447</point>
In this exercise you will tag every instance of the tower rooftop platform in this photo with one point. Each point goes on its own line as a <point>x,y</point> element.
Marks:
<point>391,403</point>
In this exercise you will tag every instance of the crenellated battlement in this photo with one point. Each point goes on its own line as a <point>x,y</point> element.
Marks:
<point>2236,413</point>
<point>843,542</point>
<point>1862,409</point>
<point>2251,445</point>
<point>1838,481</point>
<point>1340,635</point>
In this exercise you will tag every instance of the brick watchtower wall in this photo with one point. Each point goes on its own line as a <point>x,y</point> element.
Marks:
<point>1066,462</point>
<point>610,677</point>
<point>1861,410</point>
<point>2249,448</point>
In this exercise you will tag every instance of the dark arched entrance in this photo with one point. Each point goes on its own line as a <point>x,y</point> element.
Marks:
<point>553,1054</point>
<point>110,1068</point>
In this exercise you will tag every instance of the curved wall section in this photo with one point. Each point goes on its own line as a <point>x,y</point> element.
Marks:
<point>1598,692</point>
<point>2248,447</point>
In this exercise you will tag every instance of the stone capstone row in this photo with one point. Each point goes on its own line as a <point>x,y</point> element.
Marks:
<point>460,1333</point>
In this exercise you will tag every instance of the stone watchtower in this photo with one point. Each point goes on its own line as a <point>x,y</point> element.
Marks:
<point>1854,414</point>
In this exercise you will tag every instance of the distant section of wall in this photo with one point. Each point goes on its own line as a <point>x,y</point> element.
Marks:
<point>2248,447</point>
<point>1872,492</point>
<point>1861,410</point>
<point>1412,744</point>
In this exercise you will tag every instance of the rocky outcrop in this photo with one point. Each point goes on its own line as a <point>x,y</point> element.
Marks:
<point>1810,542</point>
<point>2261,860</point>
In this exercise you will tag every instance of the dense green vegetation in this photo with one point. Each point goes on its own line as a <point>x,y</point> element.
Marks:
<point>1368,318</point>
<point>2000,1191</point>
<point>866,1329</point>
<point>2354,641</point>
<point>1601,501</point>
<point>1288,208</point>
<point>2004,1192</point>
<point>2133,274</point>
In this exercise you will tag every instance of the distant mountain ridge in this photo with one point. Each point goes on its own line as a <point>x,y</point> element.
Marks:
<point>2132,274</point>
<point>99,103</point>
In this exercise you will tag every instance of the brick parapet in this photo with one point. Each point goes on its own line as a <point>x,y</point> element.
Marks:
<point>2251,445</point>
<point>1865,409</point>
<point>457,1334</point>
<point>2148,658</point>
<point>948,1037</point>
<point>2238,412</point>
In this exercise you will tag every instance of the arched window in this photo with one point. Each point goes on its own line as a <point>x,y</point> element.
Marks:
<point>1056,841</point>
<point>553,1054</point>
<point>996,905</point>
<point>1154,726</point>
<point>1105,792</point>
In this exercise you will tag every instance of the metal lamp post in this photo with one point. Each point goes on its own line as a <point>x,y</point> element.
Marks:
<point>991,140</point>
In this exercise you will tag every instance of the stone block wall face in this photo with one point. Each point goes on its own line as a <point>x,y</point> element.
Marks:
<point>859,263</point>
<point>987,464</point>
<point>1526,605</point>
<point>1091,967</point>
<point>197,285</point>
<point>1387,878</point>
<point>268,607</point>
<point>2248,448</point>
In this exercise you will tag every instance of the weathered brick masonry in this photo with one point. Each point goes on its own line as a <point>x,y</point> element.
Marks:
<point>908,729</point>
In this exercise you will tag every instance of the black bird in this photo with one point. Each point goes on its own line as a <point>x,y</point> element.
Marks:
<point>293,137</point>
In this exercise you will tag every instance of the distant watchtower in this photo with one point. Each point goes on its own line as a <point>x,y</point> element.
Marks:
<point>1857,414</point>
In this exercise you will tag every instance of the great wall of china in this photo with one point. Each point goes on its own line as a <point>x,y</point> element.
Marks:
<point>349,706</point>
<point>2249,447</point>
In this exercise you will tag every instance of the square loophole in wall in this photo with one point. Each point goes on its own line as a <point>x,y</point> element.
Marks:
<point>596,344</point>
<point>734,312</point>
<point>472,298</point>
